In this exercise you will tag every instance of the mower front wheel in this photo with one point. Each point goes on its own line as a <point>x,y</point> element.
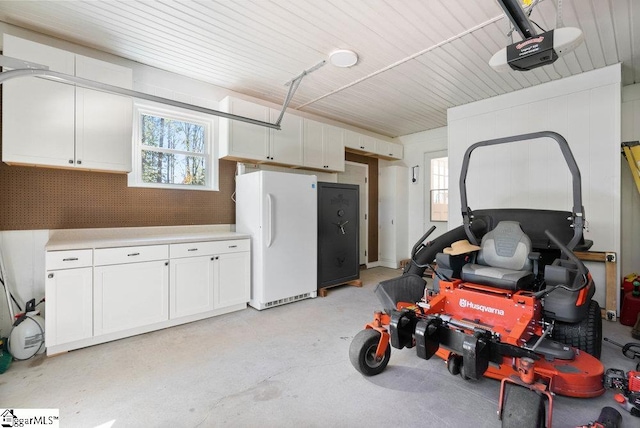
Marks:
<point>362,353</point>
<point>523,408</point>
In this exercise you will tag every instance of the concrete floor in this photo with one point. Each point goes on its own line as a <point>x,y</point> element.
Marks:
<point>282,367</point>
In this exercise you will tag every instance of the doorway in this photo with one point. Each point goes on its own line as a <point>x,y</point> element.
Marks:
<point>358,173</point>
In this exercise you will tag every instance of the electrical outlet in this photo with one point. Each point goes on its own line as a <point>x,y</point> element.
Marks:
<point>611,315</point>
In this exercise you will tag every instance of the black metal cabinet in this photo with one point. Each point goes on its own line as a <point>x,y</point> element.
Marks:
<point>338,233</point>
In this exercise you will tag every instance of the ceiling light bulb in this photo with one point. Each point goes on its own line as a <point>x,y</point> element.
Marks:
<point>343,58</point>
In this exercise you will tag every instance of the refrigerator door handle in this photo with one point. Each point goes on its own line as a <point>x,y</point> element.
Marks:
<point>270,219</point>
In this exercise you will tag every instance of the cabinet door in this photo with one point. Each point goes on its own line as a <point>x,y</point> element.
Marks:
<point>313,151</point>
<point>38,122</point>
<point>333,148</point>
<point>103,131</point>
<point>286,144</point>
<point>382,148</point>
<point>129,296</point>
<point>191,286</point>
<point>103,120</point>
<point>352,140</point>
<point>396,151</point>
<point>243,140</point>
<point>388,150</point>
<point>69,306</point>
<point>232,283</point>
<point>368,144</point>
<point>37,114</point>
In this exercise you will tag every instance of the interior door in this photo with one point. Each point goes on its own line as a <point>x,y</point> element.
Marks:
<point>358,173</point>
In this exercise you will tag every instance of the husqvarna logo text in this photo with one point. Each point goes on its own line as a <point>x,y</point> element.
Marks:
<point>464,303</point>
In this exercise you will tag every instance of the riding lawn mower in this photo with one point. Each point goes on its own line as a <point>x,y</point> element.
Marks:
<point>519,310</point>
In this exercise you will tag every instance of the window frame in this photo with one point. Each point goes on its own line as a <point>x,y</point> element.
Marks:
<point>444,178</point>
<point>210,124</point>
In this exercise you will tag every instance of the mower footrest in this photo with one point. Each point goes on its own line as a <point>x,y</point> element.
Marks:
<point>401,329</point>
<point>474,357</point>
<point>427,337</point>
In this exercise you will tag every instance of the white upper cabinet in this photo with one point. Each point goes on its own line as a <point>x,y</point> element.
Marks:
<point>388,150</point>
<point>371,146</point>
<point>245,141</point>
<point>333,147</point>
<point>241,140</point>
<point>38,116</point>
<point>49,123</point>
<point>285,145</point>
<point>323,146</point>
<point>359,142</point>
<point>313,156</point>
<point>103,120</point>
<point>300,142</point>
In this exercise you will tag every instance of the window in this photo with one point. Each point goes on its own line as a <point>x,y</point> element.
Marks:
<point>173,149</point>
<point>439,189</point>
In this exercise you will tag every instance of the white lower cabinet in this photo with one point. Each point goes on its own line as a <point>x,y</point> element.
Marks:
<point>218,277</point>
<point>191,289</point>
<point>130,295</point>
<point>102,294</point>
<point>232,284</point>
<point>69,300</point>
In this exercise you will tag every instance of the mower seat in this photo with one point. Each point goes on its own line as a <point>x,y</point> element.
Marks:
<point>503,260</point>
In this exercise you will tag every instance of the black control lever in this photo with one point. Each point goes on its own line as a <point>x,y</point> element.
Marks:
<point>582,269</point>
<point>420,244</point>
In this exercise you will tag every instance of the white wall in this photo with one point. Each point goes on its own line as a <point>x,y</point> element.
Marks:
<point>630,198</point>
<point>585,109</point>
<point>415,146</point>
<point>23,255</point>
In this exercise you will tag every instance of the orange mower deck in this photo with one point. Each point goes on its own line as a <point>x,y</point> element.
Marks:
<point>510,318</point>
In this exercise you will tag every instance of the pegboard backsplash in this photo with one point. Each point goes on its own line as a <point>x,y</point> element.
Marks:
<point>46,198</point>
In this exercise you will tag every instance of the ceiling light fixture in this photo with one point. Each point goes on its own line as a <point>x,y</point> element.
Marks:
<point>343,58</point>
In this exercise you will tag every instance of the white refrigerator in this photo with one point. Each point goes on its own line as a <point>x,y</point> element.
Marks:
<point>280,212</point>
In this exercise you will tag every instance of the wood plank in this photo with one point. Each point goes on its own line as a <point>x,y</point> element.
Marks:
<point>591,256</point>
<point>322,292</point>
<point>612,291</point>
<point>611,284</point>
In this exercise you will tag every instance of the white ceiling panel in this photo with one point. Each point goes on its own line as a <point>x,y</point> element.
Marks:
<point>417,58</point>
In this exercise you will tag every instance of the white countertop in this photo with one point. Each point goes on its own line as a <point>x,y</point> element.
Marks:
<point>71,239</point>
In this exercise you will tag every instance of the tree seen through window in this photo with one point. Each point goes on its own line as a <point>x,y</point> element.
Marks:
<point>173,151</point>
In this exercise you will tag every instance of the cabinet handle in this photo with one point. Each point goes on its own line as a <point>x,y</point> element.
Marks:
<point>79,162</point>
<point>71,161</point>
<point>192,249</point>
<point>233,246</point>
<point>70,259</point>
<point>166,263</point>
<point>133,254</point>
<point>50,275</point>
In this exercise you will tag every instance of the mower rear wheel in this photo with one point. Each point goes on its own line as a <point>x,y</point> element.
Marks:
<point>585,335</point>
<point>522,408</point>
<point>362,353</point>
